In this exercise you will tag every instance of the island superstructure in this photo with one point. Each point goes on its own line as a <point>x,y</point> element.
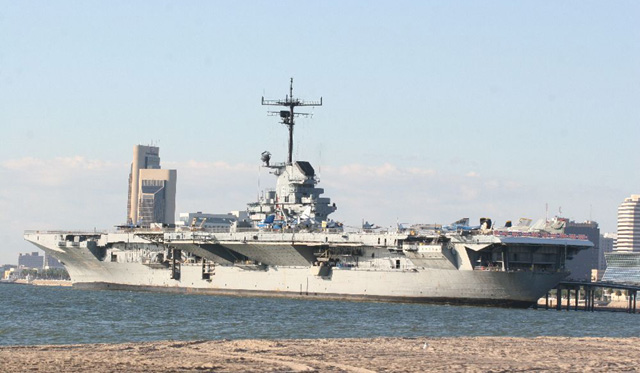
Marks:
<point>289,246</point>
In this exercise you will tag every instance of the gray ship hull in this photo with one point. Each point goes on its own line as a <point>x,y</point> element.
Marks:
<point>442,297</point>
<point>90,267</point>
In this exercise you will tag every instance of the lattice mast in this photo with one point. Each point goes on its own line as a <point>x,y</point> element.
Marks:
<point>287,117</point>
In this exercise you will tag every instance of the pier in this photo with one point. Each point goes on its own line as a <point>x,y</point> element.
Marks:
<point>588,290</point>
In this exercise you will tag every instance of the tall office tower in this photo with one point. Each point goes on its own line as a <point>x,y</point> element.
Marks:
<point>152,191</point>
<point>629,225</point>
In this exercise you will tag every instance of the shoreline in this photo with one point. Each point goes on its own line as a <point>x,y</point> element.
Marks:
<point>38,282</point>
<point>419,354</point>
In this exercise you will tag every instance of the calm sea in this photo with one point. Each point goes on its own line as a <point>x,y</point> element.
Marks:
<point>56,315</point>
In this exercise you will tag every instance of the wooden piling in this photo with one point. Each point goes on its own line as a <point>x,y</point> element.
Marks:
<point>546,298</point>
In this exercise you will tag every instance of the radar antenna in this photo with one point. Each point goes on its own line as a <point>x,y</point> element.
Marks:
<point>288,116</point>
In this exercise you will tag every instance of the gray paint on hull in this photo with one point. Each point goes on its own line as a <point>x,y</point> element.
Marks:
<point>503,303</point>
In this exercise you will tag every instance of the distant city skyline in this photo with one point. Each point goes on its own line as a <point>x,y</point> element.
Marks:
<point>432,111</point>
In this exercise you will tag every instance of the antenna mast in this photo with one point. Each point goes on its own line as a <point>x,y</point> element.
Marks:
<point>287,116</point>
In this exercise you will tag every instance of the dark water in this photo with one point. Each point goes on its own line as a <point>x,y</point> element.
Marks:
<point>43,315</point>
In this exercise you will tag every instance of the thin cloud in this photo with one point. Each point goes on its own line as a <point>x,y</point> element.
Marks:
<point>54,172</point>
<point>78,162</point>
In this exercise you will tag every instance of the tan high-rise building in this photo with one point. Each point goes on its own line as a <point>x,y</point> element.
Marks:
<point>152,191</point>
<point>629,225</point>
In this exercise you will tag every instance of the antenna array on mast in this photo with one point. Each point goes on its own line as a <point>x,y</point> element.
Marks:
<point>287,116</point>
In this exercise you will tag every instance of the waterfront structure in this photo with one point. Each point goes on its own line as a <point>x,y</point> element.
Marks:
<point>31,260</point>
<point>294,249</point>
<point>629,224</point>
<point>586,260</point>
<point>622,267</point>
<point>6,267</point>
<point>6,271</point>
<point>152,190</point>
<point>607,244</point>
<point>34,260</point>
<point>623,263</point>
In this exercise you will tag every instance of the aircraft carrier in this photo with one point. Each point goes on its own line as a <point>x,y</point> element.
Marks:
<point>289,247</point>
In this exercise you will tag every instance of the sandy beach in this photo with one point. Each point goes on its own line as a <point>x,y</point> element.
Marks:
<point>475,354</point>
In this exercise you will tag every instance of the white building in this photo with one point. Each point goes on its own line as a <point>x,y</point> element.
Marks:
<point>152,191</point>
<point>629,225</point>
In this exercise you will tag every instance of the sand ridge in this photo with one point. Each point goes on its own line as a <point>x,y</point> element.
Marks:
<point>462,354</point>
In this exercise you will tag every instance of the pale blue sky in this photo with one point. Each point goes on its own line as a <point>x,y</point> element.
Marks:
<point>433,110</point>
